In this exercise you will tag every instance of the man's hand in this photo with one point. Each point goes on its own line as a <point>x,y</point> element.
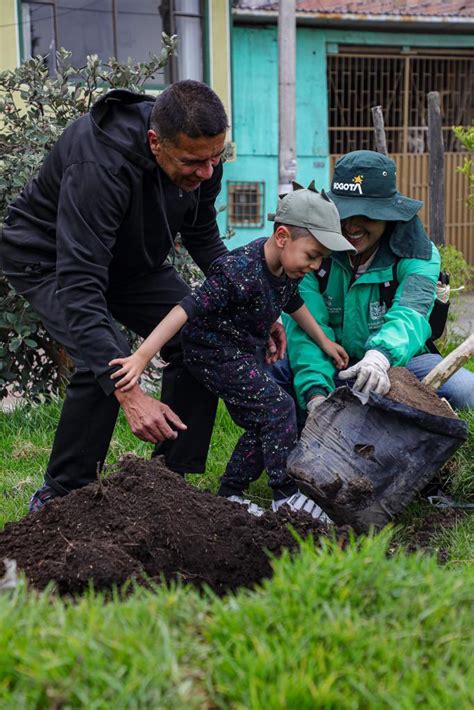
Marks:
<point>370,373</point>
<point>148,418</point>
<point>276,346</point>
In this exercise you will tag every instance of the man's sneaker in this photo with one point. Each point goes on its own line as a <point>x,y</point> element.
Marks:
<point>252,508</point>
<point>298,501</point>
<point>41,497</point>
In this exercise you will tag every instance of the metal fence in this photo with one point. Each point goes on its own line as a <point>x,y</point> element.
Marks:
<point>400,82</point>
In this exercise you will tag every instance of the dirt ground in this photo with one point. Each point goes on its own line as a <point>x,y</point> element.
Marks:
<point>419,534</point>
<point>145,521</point>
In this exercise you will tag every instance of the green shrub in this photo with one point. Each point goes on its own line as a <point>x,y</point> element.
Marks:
<point>453,261</point>
<point>34,110</point>
<point>466,137</point>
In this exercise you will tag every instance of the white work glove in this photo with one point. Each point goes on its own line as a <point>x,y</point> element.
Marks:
<point>314,402</point>
<point>442,292</point>
<point>370,373</point>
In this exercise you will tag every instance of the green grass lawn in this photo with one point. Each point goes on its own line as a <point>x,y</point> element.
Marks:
<point>352,628</point>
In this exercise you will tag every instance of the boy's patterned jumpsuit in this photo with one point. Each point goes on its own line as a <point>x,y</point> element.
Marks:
<point>230,317</point>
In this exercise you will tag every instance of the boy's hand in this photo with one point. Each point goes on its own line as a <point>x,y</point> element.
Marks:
<point>129,373</point>
<point>337,353</point>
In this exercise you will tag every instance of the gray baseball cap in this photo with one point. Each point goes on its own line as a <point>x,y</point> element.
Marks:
<point>316,212</point>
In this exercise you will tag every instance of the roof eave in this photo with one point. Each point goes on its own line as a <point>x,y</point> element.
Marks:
<point>433,23</point>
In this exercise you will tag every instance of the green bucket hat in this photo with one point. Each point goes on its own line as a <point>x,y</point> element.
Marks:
<point>364,183</point>
<point>313,210</point>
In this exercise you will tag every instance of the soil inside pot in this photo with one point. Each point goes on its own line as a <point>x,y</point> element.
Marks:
<point>407,389</point>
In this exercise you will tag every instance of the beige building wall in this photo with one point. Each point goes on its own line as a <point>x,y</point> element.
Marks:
<point>219,19</point>
<point>9,41</point>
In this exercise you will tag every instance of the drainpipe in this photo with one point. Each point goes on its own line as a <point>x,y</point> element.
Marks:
<point>187,24</point>
<point>286,95</point>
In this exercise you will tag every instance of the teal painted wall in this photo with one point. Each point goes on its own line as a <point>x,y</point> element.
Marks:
<point>255,104</point>
<point>255,112</point>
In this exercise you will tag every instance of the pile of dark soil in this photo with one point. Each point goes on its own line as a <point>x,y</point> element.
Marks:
<point>145,522</point>
<point>407,389</point>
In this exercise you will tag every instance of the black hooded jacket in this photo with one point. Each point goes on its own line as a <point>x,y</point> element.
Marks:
<point>101,211</point>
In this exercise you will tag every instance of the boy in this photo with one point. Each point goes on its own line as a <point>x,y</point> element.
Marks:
<point>228,320</point>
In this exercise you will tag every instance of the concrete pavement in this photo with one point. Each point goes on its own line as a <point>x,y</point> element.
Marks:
<point>463,309</point>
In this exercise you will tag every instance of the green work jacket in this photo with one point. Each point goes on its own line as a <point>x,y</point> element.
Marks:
<point>352,314</point>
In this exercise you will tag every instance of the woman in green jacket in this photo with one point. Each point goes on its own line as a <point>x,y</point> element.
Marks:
<point>377,303</point>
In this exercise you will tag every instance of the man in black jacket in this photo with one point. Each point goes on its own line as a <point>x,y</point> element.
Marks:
<point>86,242</point>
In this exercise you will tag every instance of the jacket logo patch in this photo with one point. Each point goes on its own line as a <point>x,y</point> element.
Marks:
<point>377,310</point>
<point>328,300</point>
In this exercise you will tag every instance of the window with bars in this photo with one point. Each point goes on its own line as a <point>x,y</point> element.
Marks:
<point>399,82</point>
<point>119,28</point>
<point>245,204</point>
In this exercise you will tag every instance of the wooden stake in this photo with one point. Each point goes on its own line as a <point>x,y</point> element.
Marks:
<point>379,126</point>
<point>436,169</point>
<point>450,364</point>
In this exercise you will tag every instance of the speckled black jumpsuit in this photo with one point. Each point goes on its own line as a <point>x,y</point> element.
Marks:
<point>230,317</point>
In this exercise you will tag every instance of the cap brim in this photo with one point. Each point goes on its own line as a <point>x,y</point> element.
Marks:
<point>332,240</point>
<point>390,209</point>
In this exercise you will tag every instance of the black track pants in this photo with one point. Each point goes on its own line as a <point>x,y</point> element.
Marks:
<point>261,407</point>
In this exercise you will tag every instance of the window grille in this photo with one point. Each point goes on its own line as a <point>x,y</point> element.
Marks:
<point>399,82</point>
<point>245,204</point>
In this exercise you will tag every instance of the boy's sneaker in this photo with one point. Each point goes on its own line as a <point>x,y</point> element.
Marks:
<point>41,497</point>
<point>298,501</point>
<point>252,508</point>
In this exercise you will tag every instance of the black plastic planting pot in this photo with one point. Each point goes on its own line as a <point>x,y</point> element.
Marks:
<point>364,463</point>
